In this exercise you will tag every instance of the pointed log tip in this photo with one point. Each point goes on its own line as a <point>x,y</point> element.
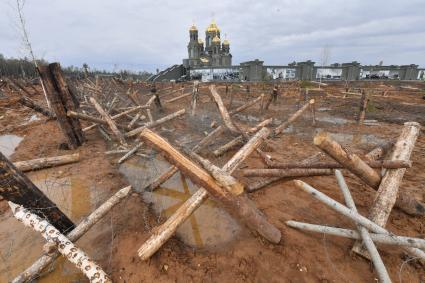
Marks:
<point>125,191</point>
<point>320,137</point>
<point>298,183</point>
<point>311,101</point>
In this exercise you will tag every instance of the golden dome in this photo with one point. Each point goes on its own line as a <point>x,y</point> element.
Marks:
<point>213,27</point>
<point>193,28</point>
<point>216,39</point>
<point>226,42</point>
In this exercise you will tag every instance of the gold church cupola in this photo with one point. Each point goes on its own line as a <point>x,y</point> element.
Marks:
<point>193,28</point>
<point>213,27</point>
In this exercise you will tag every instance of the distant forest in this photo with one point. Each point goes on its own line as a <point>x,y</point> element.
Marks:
<point>24,68</point>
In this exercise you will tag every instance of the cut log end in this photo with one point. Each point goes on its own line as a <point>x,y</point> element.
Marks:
<point>320,138</point>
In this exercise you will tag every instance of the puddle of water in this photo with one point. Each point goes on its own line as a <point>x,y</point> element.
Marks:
<point>8,143</point>
<point>209,227</point>
<point>247,118</point>
<point>21,246</point>
<point>33,118</point>
<point>323,109</point>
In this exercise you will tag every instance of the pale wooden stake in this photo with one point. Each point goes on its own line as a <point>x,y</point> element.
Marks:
<point>109,120</point>
<point>223,111</point>
<point>46,162</point>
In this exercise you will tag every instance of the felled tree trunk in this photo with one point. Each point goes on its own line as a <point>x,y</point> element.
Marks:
<point>295,172</point>
<point>46,162</point>
<point>223,111</point>
<point>387,193</point>
<point>349,160</point>
<point>80,259</point>
<point>389,164</point>
<point>17,188</point>
<point>239,205</point>
<point>156,123</point>
<point>62,99</point>
<point>363,106</point>
<point>45,260</point>
<point>108,120</point>
<point>194,101</point>
<point>358,167</point>
<point>28,102</point>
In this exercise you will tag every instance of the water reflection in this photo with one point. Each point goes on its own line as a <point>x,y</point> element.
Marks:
<point>208,227</point>
<point>8,143</point>
<point>20,246</point>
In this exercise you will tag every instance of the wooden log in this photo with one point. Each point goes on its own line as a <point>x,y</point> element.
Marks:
<point>239,140</point>
<point>228,146</point>
<point>363,106</point>
<point>313,114</point>
<point>279,129</point>
<point>349,160</point>
<point>246,105</point>
<point>131,110</point>
<point>223,178</point>
<point>70,251</point>
<point>268,101</point>
<point>178,97</point>
<point>194,101</point>
<point>352,234</point>
<point>28,102</point>
<point>391,164</point>
<point>45,162</point>
<point>296,172</point>
<point>133,121</point>
<point>365,236</point>
<point>46,260</point>
<point>86,117</point>
<point>130,153</point>
<point>197,148</point>
<point>109,120</point>
<point>155,123</point>
<point>255,186</point>
<point>223,111</point>
<point>17,188</point>
<point>354,216</point>
<point>62,100</point>
<point>167,229</point>
<point>388,190</point>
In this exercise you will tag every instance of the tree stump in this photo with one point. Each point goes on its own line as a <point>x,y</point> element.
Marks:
<point>62,99</point>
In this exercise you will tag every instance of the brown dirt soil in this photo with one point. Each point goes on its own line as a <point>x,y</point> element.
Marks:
<point>300,256</point>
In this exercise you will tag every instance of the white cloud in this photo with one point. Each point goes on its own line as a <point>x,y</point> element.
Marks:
<point>150,34</point>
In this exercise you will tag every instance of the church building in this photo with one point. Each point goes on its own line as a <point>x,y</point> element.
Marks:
<point>213,54</point>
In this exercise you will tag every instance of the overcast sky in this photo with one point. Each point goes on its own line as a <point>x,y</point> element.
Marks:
<point>145,35</point>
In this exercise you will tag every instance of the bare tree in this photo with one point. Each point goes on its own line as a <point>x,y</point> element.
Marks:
<point>25,39</point>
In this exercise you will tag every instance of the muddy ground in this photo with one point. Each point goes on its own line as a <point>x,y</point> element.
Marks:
<point>206,249</point>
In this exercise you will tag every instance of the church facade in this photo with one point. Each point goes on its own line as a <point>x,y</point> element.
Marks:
<point>213,54</point>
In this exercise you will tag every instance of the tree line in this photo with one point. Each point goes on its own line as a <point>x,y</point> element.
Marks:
<point>25,68</point>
